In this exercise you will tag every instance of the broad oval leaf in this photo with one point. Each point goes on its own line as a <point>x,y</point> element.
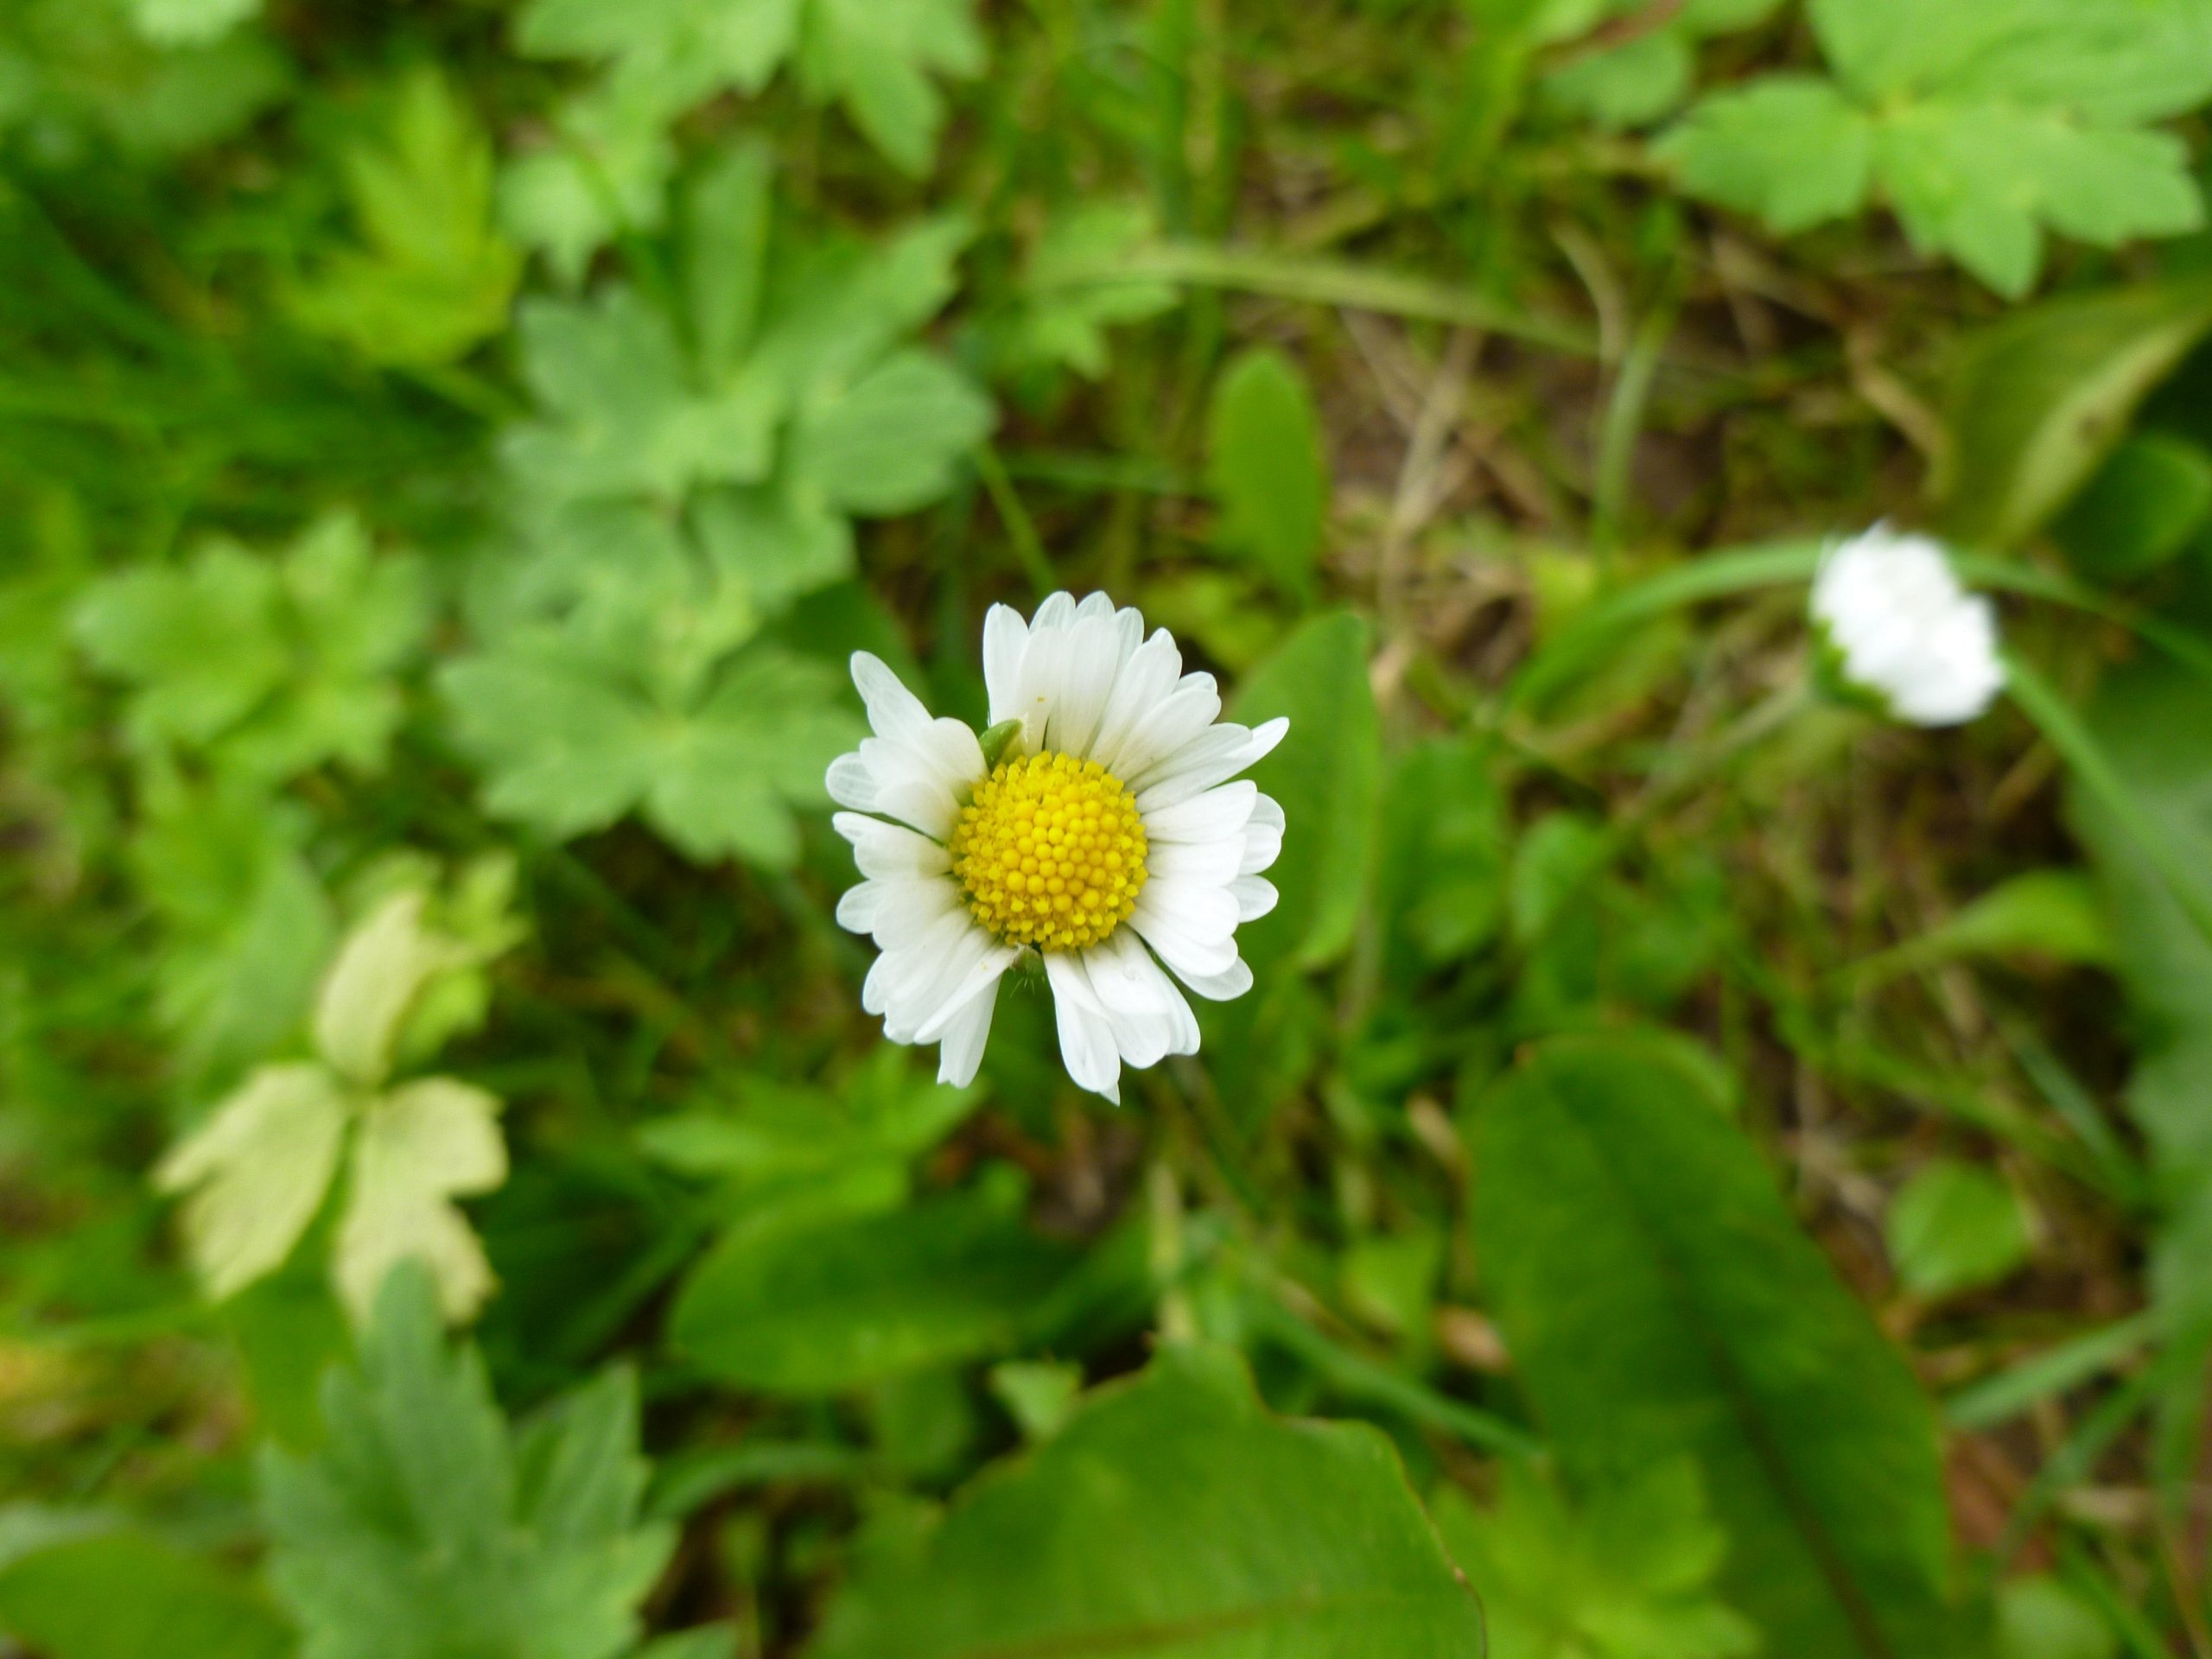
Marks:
<point>1328,775</point>
<point>839,1303</point>
<point>2039,400</point>
<point>1266,466</point>
<point>118,1595</point>
<point>1172,1517</point>
<point>1658,1298</point>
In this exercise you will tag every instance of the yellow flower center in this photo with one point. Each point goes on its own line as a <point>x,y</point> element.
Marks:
<point>1050,852</point>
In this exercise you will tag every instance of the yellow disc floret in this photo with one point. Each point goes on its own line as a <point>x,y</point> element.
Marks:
<point>1050,852</point>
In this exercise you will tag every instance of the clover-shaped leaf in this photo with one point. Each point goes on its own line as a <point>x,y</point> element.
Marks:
<point>879,61</point>
<point>267,667</point>
<point>255,1174</point>
<point>1984,127</point>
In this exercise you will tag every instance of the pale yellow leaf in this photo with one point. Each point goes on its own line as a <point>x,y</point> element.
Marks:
<point>420,1148</point>
<point>256,1172</point>
<point>381,970</point>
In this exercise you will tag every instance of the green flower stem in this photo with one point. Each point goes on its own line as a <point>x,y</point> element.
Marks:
<point>2065,730</point>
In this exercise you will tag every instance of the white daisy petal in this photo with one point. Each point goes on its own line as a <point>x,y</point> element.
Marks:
<point>1212,863</point>
<point>1006,641</point>
<point>851,783</point>
<point>1195,950</point>
<point>1091,657</point>
<point>1152,860</point>
<point>856,911</point>
<point>1224,987</point>
<point>881,848</point>
<point>907,907</point>
<point>964,1038</point>
<point>1151,1018</point>
<point>1147,680</point>
<point>1086,1034</point>
<point>1218,815</point>
<point>983,973</point>
<point>1171,724</point>
<point>1210,758</point>
<point>961,966</point>
<point>1255,895</point>
<point>1262,836</point>
<point>893,712</point>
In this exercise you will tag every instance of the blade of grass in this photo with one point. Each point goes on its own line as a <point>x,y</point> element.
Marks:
<point>1998,1399</point>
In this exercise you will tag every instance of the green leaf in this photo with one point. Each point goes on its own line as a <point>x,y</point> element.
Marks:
<point>422,1530</point>
<point>1982,127</point>
<point>247,926</point>
<point>877,63</point>
<point>269,667</point>
<point>604,171</point>
<point>1628,1575</point>
<point>2145,505</point>
<point>2056,914</point>
<point>1265,465</point>
<point>1955,1226</point>
<point>888,1111</point>
<point>727,211</point>
<point>256,1172</point>
<point>571,743</point>
<point>672,52</point>
<point>432,276</point>
<point>1644,78</point>
<point>893,440</point>
<point>839,1304</point>
<point>2040,399</point>
<point>1659,1298</point>
<point>1444,848</point>
<point>1067,305</point>
<point>123,1595</point>
<point>623,419</point>
<point>2154,723</point>
<point>1038,1395</point>
<point>1793,150</point>
<point>1173,1515</point>
<point>1328,775</point>
<point>2042,1619</point>
<point>190,22</point>
<point>418,1148</point>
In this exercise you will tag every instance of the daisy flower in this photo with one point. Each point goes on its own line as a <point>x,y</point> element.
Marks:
<point>1094,826</point>
<point>1905,631</point>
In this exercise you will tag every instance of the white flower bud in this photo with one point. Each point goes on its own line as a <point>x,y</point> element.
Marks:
<point>1906,631</point>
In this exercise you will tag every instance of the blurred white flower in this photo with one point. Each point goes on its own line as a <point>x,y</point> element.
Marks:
<point>1906,631</point>
<point>1103,832</point>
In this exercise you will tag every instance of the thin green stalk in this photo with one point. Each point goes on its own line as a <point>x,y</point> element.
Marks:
<point>1334,283</point>
<point>2072,1463</point>
<point>1998,1399</point>
<point>1020,529</point>
<point>1624,424</point>
<point>1363,1379</point>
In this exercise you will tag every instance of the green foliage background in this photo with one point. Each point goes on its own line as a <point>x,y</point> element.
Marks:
<point>1701,1172</point>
